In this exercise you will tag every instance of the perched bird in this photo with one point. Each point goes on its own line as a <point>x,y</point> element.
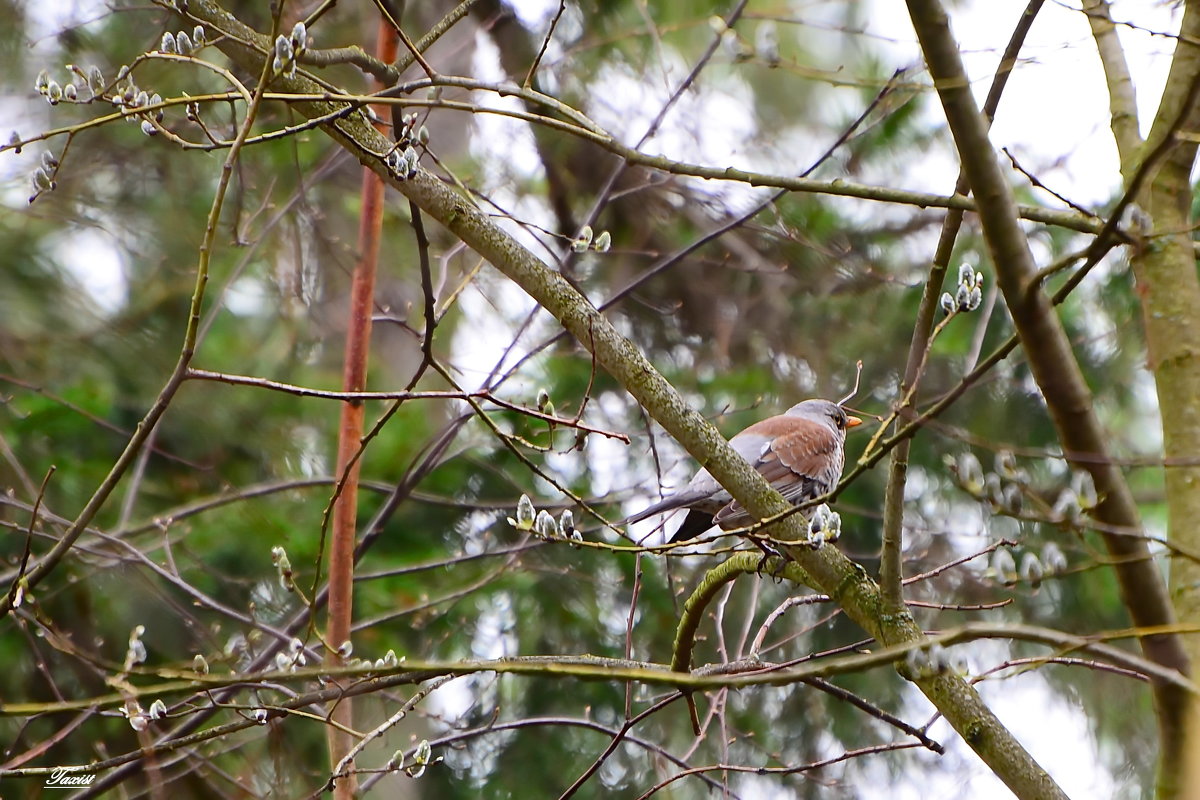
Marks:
<point>800,453</point>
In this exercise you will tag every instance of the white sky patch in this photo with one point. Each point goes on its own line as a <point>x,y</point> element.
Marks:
<point>608,459</point>
<point>493,305</point>
<point>93,258</point>
<point>535,14</point>
<point>247,297</point>
<point>500,134</point>
<point>1150,437</point>
<point>494,637</point>
<point>1054,114</point>
<point>451,701</point>
<point>46,20</point>
<point>710,124</point>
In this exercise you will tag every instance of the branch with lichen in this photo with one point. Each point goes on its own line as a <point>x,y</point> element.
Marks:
<point>365,675</point>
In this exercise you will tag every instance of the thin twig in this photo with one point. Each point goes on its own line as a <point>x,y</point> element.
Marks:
<point>16,592</point>
<point>562,6</point>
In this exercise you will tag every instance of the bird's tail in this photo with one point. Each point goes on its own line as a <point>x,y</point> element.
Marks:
<point>669,504</point>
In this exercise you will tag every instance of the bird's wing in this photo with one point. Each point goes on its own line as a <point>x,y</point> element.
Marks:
<point>800,462</point>
<point>796,455</point>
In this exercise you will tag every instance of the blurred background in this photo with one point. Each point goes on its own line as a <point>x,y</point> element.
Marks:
<point>96,276</point>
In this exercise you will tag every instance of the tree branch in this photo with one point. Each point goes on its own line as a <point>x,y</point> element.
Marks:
<point>1122,97</point>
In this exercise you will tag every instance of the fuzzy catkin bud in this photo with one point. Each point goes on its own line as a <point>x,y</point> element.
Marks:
<point>1004,566</point>
<point>975,299</point>
<point>1053,559</point>
<point>299,37</point>
<point>947,302</point>
<point>766,43</point>
<point>1032,570</point>
<point>283,48</point>
<point>41,180</point>
<point>544,525</point>
<point>966,275</point>
<point>525,513</point>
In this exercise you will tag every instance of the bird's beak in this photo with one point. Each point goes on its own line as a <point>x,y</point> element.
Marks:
<point>853,422</point>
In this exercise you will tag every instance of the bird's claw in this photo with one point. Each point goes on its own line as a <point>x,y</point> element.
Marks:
<point>768,553</point>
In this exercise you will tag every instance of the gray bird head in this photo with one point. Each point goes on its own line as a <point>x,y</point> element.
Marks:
<point>825,412</point>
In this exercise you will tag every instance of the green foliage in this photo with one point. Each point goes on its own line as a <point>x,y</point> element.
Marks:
<point>776,310</point>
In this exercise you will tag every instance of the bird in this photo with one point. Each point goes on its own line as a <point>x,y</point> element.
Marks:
<point>799,452</point>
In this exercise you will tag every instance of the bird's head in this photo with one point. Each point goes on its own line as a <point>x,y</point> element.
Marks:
<point>825,412</point>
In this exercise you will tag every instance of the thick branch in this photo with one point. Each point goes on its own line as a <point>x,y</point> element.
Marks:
<point>172,682</point>
<point>1169,289</point>
<point>1122,98</point>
